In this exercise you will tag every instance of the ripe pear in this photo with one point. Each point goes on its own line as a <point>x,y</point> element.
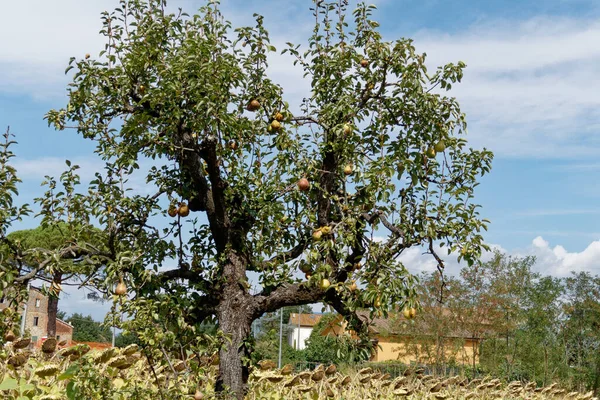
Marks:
<point>121,289</point>
<point>279,117</point>
<point>348,169</point>
<point>172,211</point>
<point>364,63</point>
<point>325,284</point>
<point>276,125</point>
<point>198,395</point>
<point>317,235</point>
<point>253,105</point>
<point>347,129</point>
<point>184,210</point>
<point>353,286</point>
<point>303,184</point>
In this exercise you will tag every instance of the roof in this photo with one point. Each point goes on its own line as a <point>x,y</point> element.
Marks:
<point>60,321</point>
<point>396,325</point>
<point>305,320</point>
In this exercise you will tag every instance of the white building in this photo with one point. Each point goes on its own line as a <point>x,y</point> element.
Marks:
<point>301,326</point>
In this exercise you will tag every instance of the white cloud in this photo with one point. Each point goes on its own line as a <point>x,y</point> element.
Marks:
<point>41,36</point>
<point>550,260</point>
<point>529,89</point>
<point>530,86</point>
<point>557,261</point>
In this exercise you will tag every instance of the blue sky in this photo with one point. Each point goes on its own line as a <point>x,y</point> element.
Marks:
<point>530,91</point>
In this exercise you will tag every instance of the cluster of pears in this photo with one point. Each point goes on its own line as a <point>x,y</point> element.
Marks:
<point>439,147</point>
<point>254,105</point>
<point>318,234</point>
<point>183,210</point>
<point>409,312</point>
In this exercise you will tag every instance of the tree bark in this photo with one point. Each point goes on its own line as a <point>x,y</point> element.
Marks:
<point>233,373</point>
<point>235,313</point>
<point>53,307</point>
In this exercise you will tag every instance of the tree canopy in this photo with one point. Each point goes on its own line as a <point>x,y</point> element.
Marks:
<point>309,200</point>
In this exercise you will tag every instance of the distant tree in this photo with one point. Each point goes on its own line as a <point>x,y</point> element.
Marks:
<point>125,339</point>
<point>266,343</point>
<point>85,329</point>
<point>324,347</point>
<point>432,332</point>
<point>582,328</point>
<point>53,237</point>
<point>266,347</point>
<point>542,352</point>
<point>491,302</point>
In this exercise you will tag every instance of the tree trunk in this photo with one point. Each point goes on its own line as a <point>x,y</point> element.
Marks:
<point>233,374</point>
<point>53,306</point>
<point>235,313</point>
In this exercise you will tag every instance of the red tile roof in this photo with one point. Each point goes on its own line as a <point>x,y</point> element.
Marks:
<point>306,320</point>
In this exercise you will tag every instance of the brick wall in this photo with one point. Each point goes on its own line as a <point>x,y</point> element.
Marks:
<point>37,319</point>
<point>64,331</point>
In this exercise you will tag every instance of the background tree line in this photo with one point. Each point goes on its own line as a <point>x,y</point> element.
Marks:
<point>86,329</point>
<point>528,326</point>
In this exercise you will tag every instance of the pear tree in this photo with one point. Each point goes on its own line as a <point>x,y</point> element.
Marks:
<point>251,203</point>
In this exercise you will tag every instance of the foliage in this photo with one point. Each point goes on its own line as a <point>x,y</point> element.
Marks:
<point>325,347</point>
<point>9,214</point>
<point>125,339</point>
<point>529,326</point>
<point>266,342</point>
<point>266,347</point>
<point>85,329</point>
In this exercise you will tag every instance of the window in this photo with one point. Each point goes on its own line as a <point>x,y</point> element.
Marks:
<point>37,303</point>
<point>34,339</point>
<point>57,338</point>
<point>36,321</point>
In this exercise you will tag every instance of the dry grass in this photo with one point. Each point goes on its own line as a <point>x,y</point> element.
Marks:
<point>127,374</point>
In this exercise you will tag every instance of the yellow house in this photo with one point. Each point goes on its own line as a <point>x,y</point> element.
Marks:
<point>426,339</point>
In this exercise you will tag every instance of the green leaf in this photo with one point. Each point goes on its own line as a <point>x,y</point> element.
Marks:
<point>9,384</point>
<point>72,391</point>
<point>69,373</point>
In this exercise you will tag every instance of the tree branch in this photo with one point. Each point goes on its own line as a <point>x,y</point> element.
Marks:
<point>286,295</point>
<point>291,254</point>
<point>68,253</point>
